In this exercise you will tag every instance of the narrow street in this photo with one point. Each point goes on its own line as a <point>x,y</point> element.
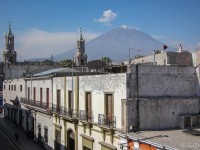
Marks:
<point>6,143</point>
<point>7,138</point>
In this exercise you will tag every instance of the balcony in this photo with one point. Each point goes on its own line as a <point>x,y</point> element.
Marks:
<point>39,104</point>
<point>56,108</point>
<point>107,121</point>
<point>85,116</point>
<point>65,112</point>
<point>69,113</point>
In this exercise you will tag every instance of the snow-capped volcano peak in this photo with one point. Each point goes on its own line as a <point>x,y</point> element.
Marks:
<point>129,27</point>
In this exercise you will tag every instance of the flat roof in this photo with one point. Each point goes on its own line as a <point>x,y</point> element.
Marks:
<point>183,139</point>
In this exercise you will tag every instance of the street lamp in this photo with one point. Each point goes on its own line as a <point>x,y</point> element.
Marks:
<point>130,55</point>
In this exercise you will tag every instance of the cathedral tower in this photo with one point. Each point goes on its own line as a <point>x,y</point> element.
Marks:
<point>80,58</point>
<point>9,54</point>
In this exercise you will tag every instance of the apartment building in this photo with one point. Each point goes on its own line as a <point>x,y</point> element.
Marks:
<point>105,111</point>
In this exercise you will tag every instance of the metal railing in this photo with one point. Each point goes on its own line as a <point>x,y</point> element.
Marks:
<point>66,112</point>
<point>108,121</point>
<point>86,116</point>
<point>70,113</point>
<point>56,108</point>
<point>38,104</point>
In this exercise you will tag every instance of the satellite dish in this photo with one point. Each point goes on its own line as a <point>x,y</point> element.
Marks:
<point>96,64</point>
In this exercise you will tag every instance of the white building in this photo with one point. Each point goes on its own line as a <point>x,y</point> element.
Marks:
<point>92,112</point>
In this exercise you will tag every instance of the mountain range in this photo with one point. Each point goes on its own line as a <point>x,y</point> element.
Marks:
<point>117,44</point>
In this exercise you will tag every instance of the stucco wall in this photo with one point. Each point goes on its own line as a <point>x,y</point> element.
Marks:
<point>45,121</point>
<point>40,83</point>
<point>98,85</point>
<point>13,94</point>
<point>162,113</point>
<point>167,58</point>
<point>163,81</point>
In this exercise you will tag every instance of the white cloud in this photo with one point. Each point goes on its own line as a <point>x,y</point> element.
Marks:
<point>107,17</point>
<point>36,43</point>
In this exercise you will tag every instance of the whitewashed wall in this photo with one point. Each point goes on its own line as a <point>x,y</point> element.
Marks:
<point>98,85</point>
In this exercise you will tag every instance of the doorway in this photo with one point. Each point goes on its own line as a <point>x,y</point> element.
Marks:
<point>70,140</point>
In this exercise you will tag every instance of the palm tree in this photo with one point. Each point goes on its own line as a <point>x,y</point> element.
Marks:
<point>107,60</point>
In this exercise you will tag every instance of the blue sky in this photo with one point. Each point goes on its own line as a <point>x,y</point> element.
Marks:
<point>45,27</point>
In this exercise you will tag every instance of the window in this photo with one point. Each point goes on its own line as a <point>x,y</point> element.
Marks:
<point>39,131</point>
<point>47,97</point>
<point>88,105</point>
<point>41,95</point>
<point>20,87</point>
<point>70,100</point>
<point>28,92</point>
<point>9,87</point>
<point>45,135</point>
<point>34,94</point>
<point>4,87</point>
<point>14,87</point>
<point>109,105</point>
<point>58,99</point>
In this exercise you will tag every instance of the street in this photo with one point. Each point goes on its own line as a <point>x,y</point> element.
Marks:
<point>5,142</point>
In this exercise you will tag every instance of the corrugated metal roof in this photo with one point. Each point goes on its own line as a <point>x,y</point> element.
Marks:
<point>51,71</point>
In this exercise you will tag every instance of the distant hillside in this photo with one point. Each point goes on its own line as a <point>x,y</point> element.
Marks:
<point>116,43</point>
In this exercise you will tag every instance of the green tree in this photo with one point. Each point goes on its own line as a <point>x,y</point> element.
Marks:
<point>138,56</point>
<point>107,60</point>
<point>65,62</point>
<point>157,51</point>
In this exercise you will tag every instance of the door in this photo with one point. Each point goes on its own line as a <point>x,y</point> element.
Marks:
<point>58,100</point>
<point>57,144</point>
<point>88,105</point>
<point>47,97</point>
<point>109,109</point>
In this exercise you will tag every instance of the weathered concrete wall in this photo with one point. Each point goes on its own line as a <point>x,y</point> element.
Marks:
<point>162,113</point>
<point>162,81</point>
<point>196,58</point>
<point>160,59</point>
<point>14,92</point>
<point>130,115</point>
<point>167,58</point>
<point>13,71</point>
<point>45,121</point>
<point>99,85</point>
<point>37,84</point>
<point>164,92</point>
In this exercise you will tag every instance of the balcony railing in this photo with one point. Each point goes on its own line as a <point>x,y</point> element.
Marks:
<point>70,113</point>
<point>86,116</point>
<point>66,112</point>
<point>56,108</point>
<point>108,121</point>
<point>38,104</point>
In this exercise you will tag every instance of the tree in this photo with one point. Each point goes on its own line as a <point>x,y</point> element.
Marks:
<point>138,56</point>
<point>65,62</point>
<point>107,60</point>
<point>157,51</point>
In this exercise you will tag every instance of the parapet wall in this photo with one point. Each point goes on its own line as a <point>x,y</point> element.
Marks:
<point>163,113</point>
<point>154,81</point>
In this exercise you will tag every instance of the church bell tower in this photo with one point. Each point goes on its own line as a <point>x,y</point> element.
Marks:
<point>80,58</point>
<point>9,54</point>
